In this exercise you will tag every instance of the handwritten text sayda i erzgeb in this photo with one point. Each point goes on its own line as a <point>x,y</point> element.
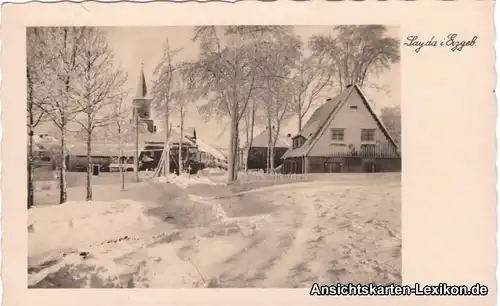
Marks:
<point>451,42</point>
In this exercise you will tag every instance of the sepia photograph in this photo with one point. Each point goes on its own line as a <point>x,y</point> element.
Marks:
<point>239,156</point>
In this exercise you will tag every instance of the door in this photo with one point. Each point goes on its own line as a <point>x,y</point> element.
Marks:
<point>95,169</point>
<point>372,167</point>
<point>336,167</point>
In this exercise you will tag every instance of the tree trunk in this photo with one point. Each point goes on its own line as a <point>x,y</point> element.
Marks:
<point>244,151</point>
<point>30,162</point>
<point>63,195</point>
<point>247,156</point>
<point>136,151</point>
<point>269,142</point>
<point>120,158</point>
<point>235,156</point>
<point>267,159</point>
<point>30,170</point>
<point>89,166</point>
<point>30,140</point>
<point>250,142</point>
<point>181,141</point>
<point>166,151</point>
<point>271,151</point>
<point>300,115</point>
<point>230,155</point>
<point>122,171</point>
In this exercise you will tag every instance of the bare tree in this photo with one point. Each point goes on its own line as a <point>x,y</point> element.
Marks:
<point>120,121</point>
<point>356,52</point>
<point>36,63</point>
<point>182,115</point>
<point>100,87</point>
<point>182,97</point>
<point>277,109</point>
<point>391,117</point>
<point>311,78</point>
<point>277,94</point>
<point>249,124</point>
<point>163,94</point>
<point>60,78</point>
<point>231,67</point>
<point>119,131</point>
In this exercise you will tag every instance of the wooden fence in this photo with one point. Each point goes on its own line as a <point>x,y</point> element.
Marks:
<point>367,150</point>
<point>270,177</point>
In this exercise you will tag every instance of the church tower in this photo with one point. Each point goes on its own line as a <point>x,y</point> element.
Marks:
<point>142,104</point>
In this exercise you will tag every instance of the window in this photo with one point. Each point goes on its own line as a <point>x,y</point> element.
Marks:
<point>338,134</point>
<point>368,135</point>
<point>298,142</point>
<point>353,107</point>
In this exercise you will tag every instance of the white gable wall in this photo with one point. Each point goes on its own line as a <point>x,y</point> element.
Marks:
<point>353,121</point>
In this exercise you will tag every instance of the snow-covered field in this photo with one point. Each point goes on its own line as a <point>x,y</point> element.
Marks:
<point>289,235</point>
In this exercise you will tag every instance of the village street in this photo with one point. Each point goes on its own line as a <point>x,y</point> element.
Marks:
<point>197,232</point>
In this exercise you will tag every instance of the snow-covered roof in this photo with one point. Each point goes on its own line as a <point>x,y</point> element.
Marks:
<point>262,139</point>
<point>188,135</point>
<point>44,142</point>
<point>102,149</point>
<point>202,145</point>
<point>207,148</point>
<point>160,137</point>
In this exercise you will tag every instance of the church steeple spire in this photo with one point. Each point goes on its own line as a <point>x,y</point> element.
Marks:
<point>142,89</point>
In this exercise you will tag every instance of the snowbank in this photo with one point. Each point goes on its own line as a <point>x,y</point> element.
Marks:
<point>213,170</point>
<point>75,224</point>
<point>184,180</point>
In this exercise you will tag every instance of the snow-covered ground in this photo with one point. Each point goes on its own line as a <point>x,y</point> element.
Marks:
<point>75,223</point>
<point>184,180</point>
<point>286,236</point>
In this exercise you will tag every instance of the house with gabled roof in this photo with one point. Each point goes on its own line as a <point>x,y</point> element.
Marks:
<point>343,135</point>
<point>257,154</point>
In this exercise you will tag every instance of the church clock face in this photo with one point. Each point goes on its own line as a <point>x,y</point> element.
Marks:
<point>143,127</point>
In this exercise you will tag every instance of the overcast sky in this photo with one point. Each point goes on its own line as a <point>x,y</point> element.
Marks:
<point>133,45</point>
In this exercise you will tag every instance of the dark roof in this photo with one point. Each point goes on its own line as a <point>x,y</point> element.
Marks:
<point>323,115</point>
<point>261,140</point>
<point>316,122</point>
